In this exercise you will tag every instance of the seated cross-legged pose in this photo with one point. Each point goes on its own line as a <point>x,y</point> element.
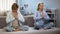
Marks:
<point>15,20</point>
<point>40,16</point>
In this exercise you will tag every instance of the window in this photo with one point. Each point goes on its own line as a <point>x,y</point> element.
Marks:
<point>6,4</point>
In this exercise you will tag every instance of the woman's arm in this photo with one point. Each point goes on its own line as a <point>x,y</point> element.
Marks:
<point>9,17</point>
<point>37,16</point>
<point>46,16</point>
<point>21,18</point>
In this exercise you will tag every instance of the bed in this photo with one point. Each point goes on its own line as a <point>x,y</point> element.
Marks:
<point>32,31</point>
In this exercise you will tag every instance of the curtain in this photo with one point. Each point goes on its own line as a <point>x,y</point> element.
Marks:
<point>6,4</point>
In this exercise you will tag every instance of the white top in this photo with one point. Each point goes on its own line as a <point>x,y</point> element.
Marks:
<point>10,17</point>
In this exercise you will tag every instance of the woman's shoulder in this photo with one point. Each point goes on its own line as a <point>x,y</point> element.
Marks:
<point>36,12</point>
<point>44,11</point>
<point>9,12</point>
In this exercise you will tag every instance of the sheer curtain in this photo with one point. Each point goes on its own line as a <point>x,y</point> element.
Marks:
<point>6,4</point>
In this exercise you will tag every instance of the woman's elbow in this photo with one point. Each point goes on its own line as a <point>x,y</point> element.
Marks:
<point>23,20</point>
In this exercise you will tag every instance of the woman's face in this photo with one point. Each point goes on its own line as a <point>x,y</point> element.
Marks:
<point>41,6</point>
<point>14,11</point>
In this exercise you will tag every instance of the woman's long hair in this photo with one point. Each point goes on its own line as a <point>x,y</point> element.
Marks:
<point>38,6</point>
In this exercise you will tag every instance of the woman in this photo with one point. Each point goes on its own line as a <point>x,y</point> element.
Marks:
<point>40,17</point>
<point>15,20</point>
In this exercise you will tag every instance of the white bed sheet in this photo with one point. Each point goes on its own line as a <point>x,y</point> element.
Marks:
<point>32,31</point>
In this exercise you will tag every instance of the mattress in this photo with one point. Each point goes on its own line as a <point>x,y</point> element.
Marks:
<point>32,31</point>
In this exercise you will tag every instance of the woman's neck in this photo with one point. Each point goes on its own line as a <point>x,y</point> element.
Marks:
<point>15,14</point>
<point>40,9</point>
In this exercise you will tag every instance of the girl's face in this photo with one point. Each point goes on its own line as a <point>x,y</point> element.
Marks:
<point>41,6</point>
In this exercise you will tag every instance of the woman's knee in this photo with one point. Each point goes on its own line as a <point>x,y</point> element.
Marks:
<point>51,23</point>
<point>8,29</point>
